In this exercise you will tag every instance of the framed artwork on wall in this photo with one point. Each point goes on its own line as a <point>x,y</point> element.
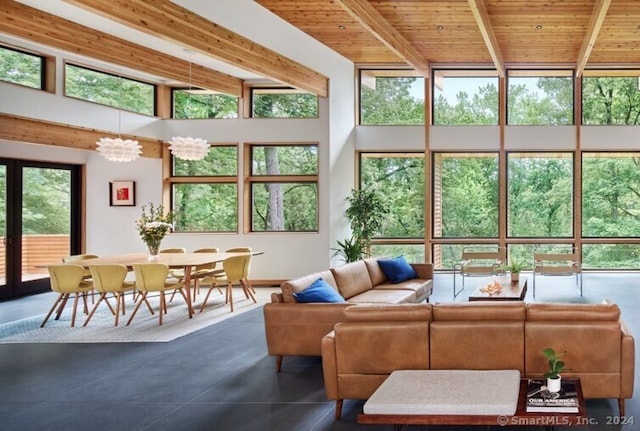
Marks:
<point>122,193</point>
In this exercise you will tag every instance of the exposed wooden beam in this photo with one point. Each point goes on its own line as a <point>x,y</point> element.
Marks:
<point>480,13</point>
<point>376,24</point>
<point>19,129</point>
<point>32,24</point>
<point>167,20</point>
<point>595,24</point>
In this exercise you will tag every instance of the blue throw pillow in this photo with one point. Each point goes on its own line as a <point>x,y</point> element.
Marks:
<point>319,291</point>
<point>397,270</point>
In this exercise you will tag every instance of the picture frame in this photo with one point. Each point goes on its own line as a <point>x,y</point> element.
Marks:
<point>122,193</point>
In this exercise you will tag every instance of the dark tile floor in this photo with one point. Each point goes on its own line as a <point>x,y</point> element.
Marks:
<point>221,378</point>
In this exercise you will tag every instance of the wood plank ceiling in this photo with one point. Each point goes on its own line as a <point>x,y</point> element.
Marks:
<point>515,33</point>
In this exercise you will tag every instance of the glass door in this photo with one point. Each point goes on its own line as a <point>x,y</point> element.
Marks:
<point>39,222</point>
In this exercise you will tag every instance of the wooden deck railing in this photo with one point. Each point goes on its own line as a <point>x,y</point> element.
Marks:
<point>38,250</point>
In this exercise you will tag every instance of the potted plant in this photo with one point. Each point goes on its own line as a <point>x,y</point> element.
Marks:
<point>366,212</point>
<point>556,366</point>
<point>514,267</point>
<point>349,250</point>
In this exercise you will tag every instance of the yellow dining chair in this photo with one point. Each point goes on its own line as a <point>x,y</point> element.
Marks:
<point>67,279</point>
<point>174,250</point>
<point>199,272</point>
<point>74,258</point>
<point>248,270</point>
<point>152,277</point>
<point>234,273</point>
<point>111,279</point>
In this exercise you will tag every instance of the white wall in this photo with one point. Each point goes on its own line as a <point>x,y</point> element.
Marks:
<point>111,230</point>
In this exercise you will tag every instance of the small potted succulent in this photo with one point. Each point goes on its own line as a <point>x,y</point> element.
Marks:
<point>556,366</point>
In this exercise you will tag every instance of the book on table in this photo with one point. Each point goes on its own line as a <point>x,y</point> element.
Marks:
<point>539,399</point>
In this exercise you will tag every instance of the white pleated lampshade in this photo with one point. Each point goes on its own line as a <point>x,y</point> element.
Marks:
<point>118,150</point>
<point>188,148</point>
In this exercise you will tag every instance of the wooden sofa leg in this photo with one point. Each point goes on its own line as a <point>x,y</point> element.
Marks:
<point>338,409</point>
<point>278,363</point>
<point>621,406</point>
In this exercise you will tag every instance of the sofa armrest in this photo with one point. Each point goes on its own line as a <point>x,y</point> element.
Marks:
<point>294,329</point>
<point>424,270</point>
<point>329,365</point>
<point>628,361</point>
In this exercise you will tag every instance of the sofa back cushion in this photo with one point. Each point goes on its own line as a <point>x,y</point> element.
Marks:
<point>301,283</point>
<point>557,312</point>
<point>478,336</point>
<point>381,347</point>
<point>388,312</point>
<point>375,272</point>
<point>352,278</point>
<point>480,310</point>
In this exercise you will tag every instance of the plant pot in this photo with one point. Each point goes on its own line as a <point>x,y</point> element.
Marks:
<point>515,277</point>
<point>554,384</point>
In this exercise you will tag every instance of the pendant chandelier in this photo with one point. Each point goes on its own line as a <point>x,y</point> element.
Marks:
<point>118,149</point>
<point>188,148</point>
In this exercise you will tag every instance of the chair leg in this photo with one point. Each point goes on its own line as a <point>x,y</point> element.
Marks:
<point>53,307</point>
<point>62,305</point>
<point>118,305</point>
<point>163,306</point>
<point>143,298</point>
<point>75,307</point>
<point>95,307</point>
<point>278,363</point>
<point>230,294</point>
<point>206,298</point>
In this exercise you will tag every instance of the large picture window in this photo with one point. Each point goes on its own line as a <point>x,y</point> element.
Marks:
<point>465,195</point>
<point>283,184</point>
<point>610,195</point>
<point>540,195</point>
<point>205,192</point>
<point>391,97</point>
<point>465,98</point>
<point>540,98</point>
<point>611,100</point>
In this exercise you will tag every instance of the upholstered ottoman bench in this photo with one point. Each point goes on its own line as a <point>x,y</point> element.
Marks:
<point>443,397</point>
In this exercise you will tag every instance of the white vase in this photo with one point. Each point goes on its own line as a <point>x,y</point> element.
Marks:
<point>554,385</point>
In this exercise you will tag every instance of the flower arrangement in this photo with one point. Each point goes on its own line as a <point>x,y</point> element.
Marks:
<point>153,225</point>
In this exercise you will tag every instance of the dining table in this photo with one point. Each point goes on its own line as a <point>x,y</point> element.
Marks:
<point>184,261</point>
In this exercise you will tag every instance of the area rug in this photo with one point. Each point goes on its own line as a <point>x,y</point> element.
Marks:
<point>143,328</point>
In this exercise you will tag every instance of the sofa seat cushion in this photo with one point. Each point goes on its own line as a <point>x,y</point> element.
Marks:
<point>301,283</point>
<point>423,288</point>
<point>387,296</point>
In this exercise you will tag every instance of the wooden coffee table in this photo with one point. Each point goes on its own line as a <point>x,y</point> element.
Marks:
<point>510,291</point>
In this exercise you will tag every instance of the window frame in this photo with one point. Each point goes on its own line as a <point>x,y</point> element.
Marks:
<point>250,180</point>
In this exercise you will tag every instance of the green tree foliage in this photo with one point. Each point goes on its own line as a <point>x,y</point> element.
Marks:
<point>285,105</point>
<point>391,103</point>
<point>481,109</point>
<point>109,89</point>
<point>610,100</point>
<point>46,201</point>
<point>194,105</point>
<point>540,101</point>
<point>469,197</point>
<point>20,68</point>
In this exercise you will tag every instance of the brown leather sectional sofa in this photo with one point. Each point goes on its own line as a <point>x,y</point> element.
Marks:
<point>296,329</point>
<point>373,341</point>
